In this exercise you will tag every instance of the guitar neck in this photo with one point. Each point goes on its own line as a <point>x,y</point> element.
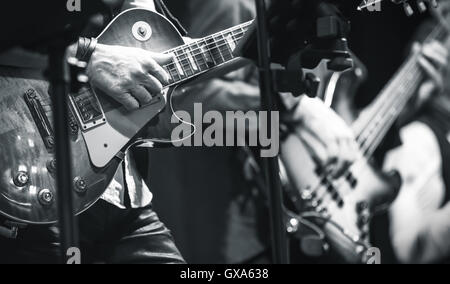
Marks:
<point>203,55</point>
<point>372,127</point>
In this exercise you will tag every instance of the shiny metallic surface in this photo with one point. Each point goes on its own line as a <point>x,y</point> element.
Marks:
<point>80,185</point>
<point>22,150</point>
<point>142,31</point>
<point>46,197</point>
<point>21,179</point>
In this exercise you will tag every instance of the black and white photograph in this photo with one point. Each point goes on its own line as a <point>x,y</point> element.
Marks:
<point>225,136</point>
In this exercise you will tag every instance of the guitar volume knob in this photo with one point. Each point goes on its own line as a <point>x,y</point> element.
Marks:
<point>21,179</point>
<point>45,197</point>
<point>51,166</point>
<point>80,185</point>
<point>421,6</point>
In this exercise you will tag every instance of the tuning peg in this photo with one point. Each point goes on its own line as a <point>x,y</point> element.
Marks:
<point>421,6</point>
<point>408,9</point>
<point>433,3</point>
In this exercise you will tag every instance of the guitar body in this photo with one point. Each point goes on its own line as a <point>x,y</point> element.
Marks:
<point>345,223</point>
<point>23,151</point>
<point>27,166</point>
<point>105,141</point>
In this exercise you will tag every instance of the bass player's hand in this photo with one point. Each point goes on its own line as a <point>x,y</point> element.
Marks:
<point>433,59</point>
<point>328,138</point>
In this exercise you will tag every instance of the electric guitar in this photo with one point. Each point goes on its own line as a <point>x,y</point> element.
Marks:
<point>101,130</point>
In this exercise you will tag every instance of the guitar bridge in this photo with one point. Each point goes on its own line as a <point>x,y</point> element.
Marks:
<point>87,108</point>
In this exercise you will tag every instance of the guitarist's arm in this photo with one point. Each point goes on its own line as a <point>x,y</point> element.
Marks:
<point>132,76</point>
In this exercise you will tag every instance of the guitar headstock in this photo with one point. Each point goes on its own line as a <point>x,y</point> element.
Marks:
<point>410,6</point>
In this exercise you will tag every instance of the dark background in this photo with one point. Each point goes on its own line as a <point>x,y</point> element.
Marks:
<point>380,40</point>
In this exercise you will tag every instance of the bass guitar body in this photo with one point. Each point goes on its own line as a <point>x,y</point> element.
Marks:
<point>343,207</point>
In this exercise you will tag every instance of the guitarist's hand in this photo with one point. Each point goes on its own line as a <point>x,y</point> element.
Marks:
<point>326,135</point>
<point>132,76</point>
<point>434,60</point>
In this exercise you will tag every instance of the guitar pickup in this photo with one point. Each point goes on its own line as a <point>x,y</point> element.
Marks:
<point>87,108</point>
<point>40,117</point>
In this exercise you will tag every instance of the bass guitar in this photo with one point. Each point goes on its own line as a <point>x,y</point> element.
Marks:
<point>343,207</point>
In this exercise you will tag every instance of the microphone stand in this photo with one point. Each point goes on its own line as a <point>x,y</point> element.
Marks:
<point>270,165</point>
<point>59,81</point>
<point>54,34</point>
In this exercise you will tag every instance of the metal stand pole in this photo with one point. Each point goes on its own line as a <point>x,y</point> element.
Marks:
<point>59,80</point>
<point>271,166</point>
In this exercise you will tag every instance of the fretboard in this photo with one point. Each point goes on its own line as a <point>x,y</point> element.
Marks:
<point>200,56</point>
<point>374,126</point>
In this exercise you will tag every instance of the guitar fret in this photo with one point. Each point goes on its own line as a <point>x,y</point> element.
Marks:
<point>199,53</point>
<point>172,73</point>
<point>179,68</point>
<point>191,58</point>
<point>187,58</point>
<point>175,71</point>
<point>218,49</point>
<point>209,53</point>
<point>200,56</point>
<point>228,46</point>
<point>184,63</point>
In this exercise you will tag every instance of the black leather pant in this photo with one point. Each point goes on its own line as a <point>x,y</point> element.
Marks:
<point>107,235</point>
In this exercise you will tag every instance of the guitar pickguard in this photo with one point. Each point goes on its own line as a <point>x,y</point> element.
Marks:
<point>107,140</point>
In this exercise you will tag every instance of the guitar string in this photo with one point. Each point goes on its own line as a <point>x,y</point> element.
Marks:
<point>181,78</point>
<point>200,50</point>
<point>381,108</point>
<point>392,118</point>
<point>87,98</point>
<point>173,67</point>
<point>208,46</point>
<point>230,30</point>
<point>320,187</point>
<point>187,67</point>
<point>344,191</point>
<point>381,132</point>
<point>407,87</point>
<point>355,170</point>
<point>242,29</point>
<point>435,33</point>
<point>238,36</point>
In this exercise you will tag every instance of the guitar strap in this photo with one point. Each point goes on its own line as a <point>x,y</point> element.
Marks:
<point>162,8</point>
